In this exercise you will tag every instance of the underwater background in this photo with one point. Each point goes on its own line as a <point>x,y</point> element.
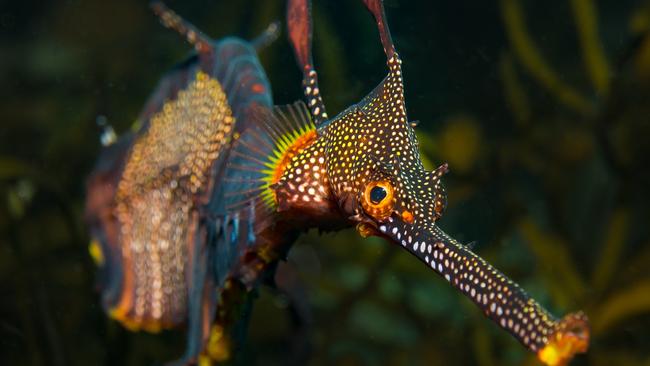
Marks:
<point>541,109</point>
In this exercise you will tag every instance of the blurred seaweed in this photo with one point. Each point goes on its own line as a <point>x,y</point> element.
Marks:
<point>540,108</point>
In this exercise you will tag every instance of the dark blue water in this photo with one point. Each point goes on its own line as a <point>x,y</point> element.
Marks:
<point>541,111</point>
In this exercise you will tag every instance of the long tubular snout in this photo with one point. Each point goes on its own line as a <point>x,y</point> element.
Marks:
<point>554,340</point>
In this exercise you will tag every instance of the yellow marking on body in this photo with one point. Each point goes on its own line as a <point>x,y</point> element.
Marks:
<point>95,251</point>
<point>407,216</point>
<point>135,325</point>
<point>288,146</point>
<point>365,230</point>
<point>205,360</point>
<point>556,353</point>
<point>570,337</point>
<point>136,125</point>
<point>218,347</point>
<point>267,253</point>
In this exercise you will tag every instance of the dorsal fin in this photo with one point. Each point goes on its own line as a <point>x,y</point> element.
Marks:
<point>261,153</point>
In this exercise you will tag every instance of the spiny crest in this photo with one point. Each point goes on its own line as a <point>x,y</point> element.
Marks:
<point>262,153</point>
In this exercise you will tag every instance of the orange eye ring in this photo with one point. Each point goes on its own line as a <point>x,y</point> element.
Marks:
<point>378,199</point>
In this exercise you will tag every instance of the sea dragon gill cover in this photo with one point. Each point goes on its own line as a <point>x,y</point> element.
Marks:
<point>190,211</point>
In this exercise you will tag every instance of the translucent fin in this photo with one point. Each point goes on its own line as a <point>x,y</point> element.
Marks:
<point>261,153</point>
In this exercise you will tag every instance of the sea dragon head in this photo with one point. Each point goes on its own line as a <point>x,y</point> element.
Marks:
<point>374,165</point>
<point>366,159</point>
<point>365,162</point>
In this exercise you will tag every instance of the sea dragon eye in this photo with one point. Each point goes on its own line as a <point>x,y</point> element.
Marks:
<point>377,194</point>
<point>378,199</point>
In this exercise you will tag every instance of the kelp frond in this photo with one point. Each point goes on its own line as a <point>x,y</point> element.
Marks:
<point>531,59</point>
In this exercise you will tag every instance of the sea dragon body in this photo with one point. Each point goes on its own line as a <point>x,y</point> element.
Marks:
<point>196,207</point>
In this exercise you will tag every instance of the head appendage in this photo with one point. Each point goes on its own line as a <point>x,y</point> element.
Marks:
<point>300,30</point>
<point>376,7</point>
<point>171,20</point>
<point>268,36</point>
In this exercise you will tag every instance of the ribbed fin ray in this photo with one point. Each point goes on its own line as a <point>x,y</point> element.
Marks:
<point>259,155</point>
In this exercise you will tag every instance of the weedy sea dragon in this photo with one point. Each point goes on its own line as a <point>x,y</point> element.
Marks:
<point>192,210</point>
